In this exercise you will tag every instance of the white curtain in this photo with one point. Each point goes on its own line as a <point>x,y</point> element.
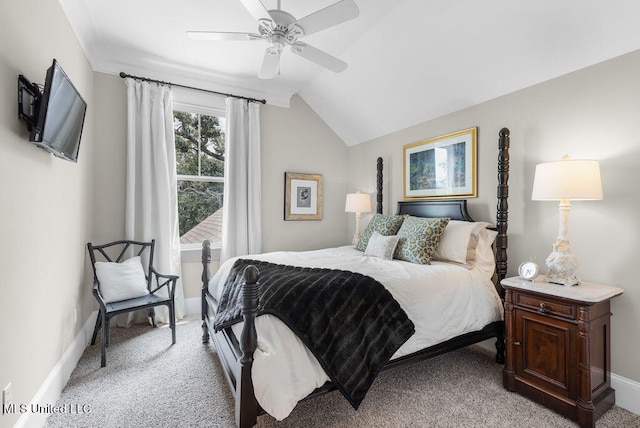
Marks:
<point>151,210</point>
<point>242,222</point>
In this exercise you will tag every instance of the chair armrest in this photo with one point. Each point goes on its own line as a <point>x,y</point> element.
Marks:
<point>98,296</point>
<point>169,281</point>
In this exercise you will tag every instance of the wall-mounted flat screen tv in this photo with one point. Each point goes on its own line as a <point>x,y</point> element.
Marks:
<point>60,118</point>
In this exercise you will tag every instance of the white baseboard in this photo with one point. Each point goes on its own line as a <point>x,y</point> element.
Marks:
<point>52,387</point>
<point>627,393</point>
<point>192,306</point>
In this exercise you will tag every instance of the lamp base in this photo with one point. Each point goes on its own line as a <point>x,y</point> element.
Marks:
<point>357,234</point>
<point>562,264</point>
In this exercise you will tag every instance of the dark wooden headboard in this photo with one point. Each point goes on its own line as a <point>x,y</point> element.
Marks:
<point>455,209</point>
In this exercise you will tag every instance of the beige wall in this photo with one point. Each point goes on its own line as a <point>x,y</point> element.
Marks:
<point>592,113</point>
<point>110,157</point>
<point>297,140</point>
<point>46,207</point>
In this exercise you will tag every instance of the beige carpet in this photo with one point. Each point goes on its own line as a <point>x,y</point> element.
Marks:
<point>149,383</point>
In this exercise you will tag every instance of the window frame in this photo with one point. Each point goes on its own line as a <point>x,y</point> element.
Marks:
<point>192,252</point>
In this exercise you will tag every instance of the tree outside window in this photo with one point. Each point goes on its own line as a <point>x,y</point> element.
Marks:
<point>200,154</point>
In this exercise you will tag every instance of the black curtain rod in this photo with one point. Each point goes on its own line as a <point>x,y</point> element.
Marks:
<point>146,79</point>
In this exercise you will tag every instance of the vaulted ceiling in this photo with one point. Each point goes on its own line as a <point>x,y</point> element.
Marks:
<point>408,60</point>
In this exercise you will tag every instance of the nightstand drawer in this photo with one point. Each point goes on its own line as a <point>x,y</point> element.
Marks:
<point>546,306</point>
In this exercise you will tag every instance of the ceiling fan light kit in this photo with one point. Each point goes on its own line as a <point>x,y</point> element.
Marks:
<point>280,28</point>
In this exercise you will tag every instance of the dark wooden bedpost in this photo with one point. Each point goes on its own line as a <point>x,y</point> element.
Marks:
<point>502,218</point>
<point>246,404</point>
<point>206,276</point>
<point>379,186</point>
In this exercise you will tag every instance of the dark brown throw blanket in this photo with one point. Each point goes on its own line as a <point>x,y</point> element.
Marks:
<point>349,321</point>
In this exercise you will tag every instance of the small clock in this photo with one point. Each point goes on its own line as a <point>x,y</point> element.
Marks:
<point>528,270</point>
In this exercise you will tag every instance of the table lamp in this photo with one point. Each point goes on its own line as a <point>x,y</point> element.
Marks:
<point>357,203</point>
<point>565,181</point>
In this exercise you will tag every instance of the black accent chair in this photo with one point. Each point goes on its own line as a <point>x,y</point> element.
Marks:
<point>118,252</point>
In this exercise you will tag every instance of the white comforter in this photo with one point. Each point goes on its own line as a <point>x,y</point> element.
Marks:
<point>443,300</point>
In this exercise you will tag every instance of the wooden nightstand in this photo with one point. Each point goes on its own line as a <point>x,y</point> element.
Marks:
<point>558,346</point>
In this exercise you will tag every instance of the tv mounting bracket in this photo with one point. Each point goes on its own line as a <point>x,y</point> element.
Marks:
<point>29,96</point>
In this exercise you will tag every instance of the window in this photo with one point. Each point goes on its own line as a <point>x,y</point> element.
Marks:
<point>200,143</point>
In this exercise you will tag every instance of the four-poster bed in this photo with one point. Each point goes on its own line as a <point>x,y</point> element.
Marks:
<point>237,345</point>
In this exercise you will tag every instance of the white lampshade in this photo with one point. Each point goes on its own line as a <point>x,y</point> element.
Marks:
<point>567,179</point>
<point>358,203</point>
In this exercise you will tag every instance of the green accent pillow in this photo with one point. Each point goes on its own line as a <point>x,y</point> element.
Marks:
<point>419,238</point>
<point>385,225</point>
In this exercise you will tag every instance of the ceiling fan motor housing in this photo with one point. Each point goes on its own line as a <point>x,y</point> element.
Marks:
<point>282,30</point>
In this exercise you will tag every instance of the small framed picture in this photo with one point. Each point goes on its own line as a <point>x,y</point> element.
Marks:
<point>302,196</point>
<point>441,167</point>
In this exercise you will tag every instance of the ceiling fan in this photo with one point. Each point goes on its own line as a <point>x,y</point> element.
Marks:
<point>280,28</point>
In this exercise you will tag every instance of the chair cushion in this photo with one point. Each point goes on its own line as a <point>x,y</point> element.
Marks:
<point>138,302</point>
<point>121,281</point>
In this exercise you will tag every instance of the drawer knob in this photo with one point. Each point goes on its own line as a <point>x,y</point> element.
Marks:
<point>516,343</point>
<point>543,308</point>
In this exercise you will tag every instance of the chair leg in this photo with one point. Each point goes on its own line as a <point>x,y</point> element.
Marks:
<point>107,333</point>
<point>172,323</point>
<point>152,316</point>
<point>105,342</point>
<point>96,328</point>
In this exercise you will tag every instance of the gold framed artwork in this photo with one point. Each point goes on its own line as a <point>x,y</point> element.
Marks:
<point>442,167</point>
<point>302,196</point>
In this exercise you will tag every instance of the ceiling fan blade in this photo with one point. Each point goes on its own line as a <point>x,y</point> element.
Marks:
<point>270,63</point>
<point>319,57</point>
<point>224,36</point>
<point>335,14</point>
<point>256,9</point>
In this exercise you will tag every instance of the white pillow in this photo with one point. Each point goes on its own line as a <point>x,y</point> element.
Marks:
<point>121,281</point>
<point>485,258</point>
<point>381,246</point>
<point>458,242</point>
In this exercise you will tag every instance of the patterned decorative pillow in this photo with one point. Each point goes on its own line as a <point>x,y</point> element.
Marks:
<point>385,225</point>
<point>419,238</point>
<point>381,246</point>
